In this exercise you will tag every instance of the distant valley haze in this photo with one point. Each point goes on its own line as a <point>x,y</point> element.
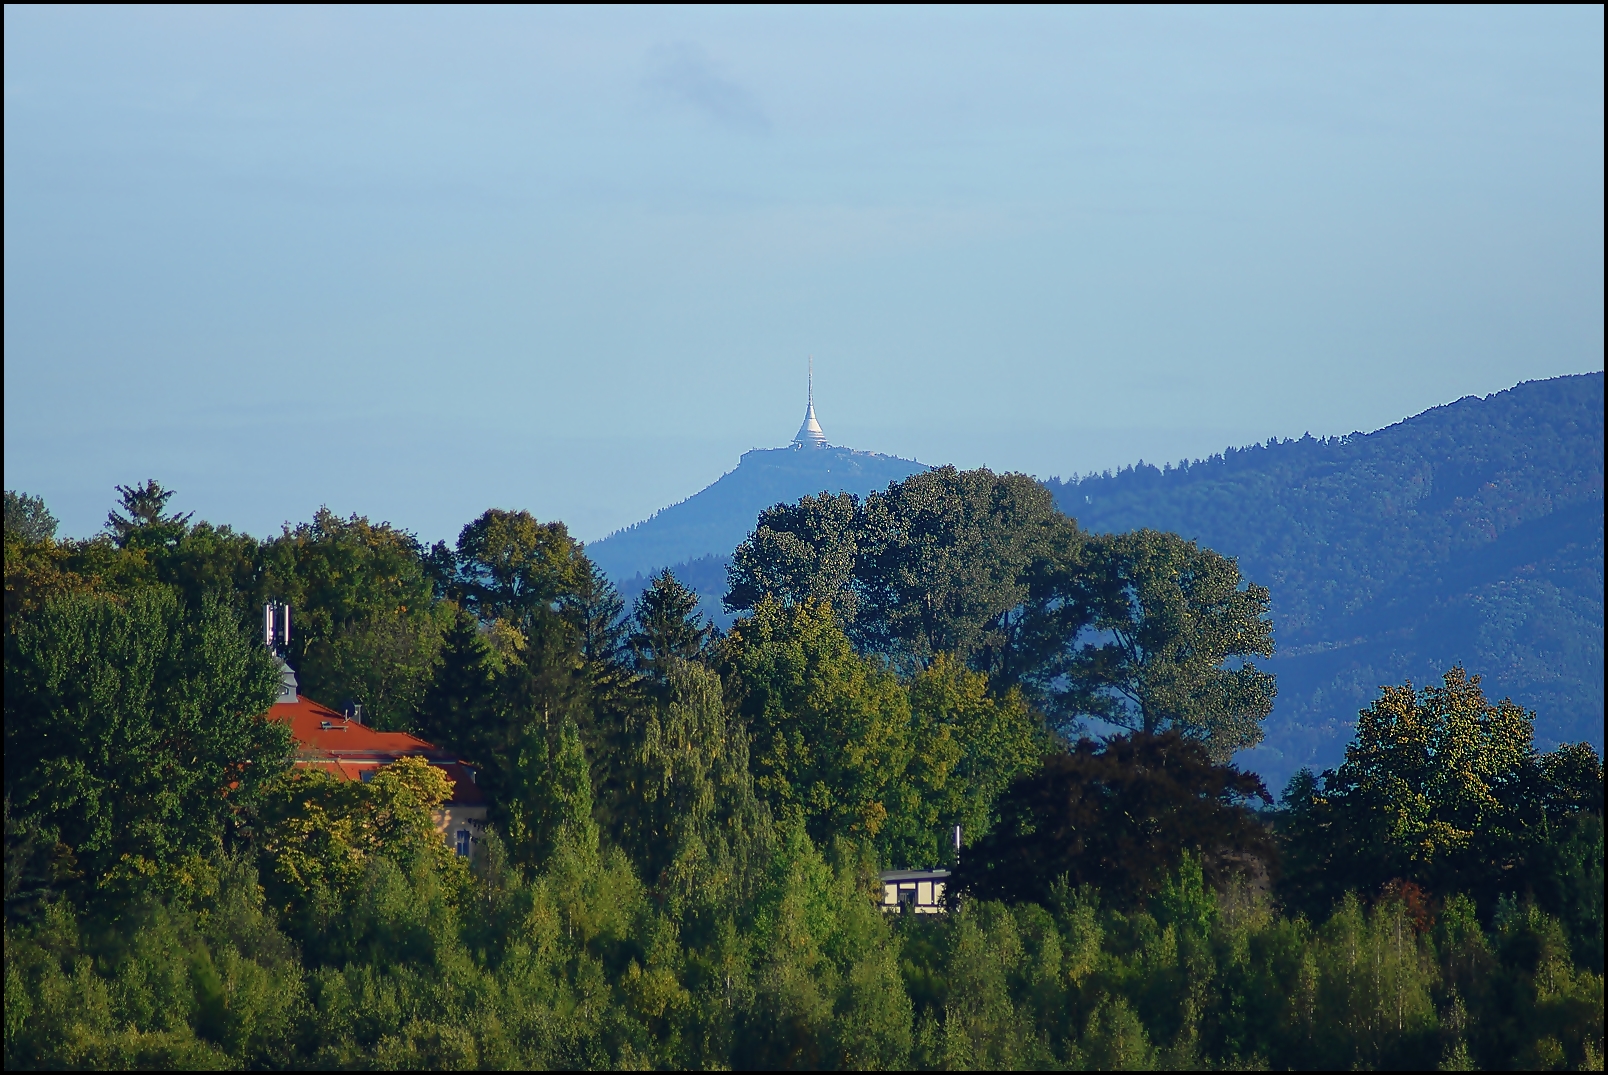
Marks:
<point>416,262</point>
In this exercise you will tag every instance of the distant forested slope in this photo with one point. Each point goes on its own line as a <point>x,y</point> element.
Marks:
<point>705,576</point>
<point>1470,533</point>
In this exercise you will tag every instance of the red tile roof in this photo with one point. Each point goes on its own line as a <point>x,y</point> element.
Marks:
<point>344,748</point>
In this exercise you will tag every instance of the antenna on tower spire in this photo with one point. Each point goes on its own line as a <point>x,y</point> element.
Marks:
<point>809,434</point>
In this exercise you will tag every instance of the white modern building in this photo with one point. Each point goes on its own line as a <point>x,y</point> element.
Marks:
<point>914,891</point>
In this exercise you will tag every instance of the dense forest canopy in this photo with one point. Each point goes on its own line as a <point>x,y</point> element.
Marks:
<point>686,823</point>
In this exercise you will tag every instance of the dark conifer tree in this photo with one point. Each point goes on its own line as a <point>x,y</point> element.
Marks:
<point>597,612</point>
<point>667,624</point>
<point>146,523</point>
<point>615,703</point>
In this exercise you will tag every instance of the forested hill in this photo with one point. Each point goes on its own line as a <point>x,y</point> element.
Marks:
<point>714,520</point>
<point>1470,533</point>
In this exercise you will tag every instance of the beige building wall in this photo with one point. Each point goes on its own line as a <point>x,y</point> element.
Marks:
<point>449,819</point>
<point>926,897</point>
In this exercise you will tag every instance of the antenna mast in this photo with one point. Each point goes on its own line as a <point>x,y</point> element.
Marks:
<point>809,434</point>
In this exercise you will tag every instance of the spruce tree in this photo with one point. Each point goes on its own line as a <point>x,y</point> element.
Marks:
<point>146,524</point>
<point>668,625</point>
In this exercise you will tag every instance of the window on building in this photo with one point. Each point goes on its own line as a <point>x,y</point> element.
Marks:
<point>463,842</point>
<point>366,775</point>
<point>914,891</point>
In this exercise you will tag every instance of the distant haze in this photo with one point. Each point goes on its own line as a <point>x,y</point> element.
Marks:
<point>418,262</point>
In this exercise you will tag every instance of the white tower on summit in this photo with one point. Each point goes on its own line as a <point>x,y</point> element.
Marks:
<point>809,434</point>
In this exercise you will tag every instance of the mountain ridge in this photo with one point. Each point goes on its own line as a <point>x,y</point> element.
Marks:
<point>1468,533</point>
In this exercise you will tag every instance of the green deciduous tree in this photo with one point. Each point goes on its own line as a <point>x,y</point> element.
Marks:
<point>38,570</point>
<point>1566,872</point>
<point>321,834</point>
<point>947,556</point>
<point>842,742</point>
<point>1443,788</point>
<point>367,627</point>
<point>135,728</point>
<point>1532,1008</point>
<point>1372,989</point>
<point>1437,787</point>
<point>825,989</point>
<point>27,518</point>
<point>1437,771</point>
<point>938,563</point>
<point>688,775</point>
<point>967,747</point>
<point>801,551</point>
<point>146,545</point>
<point>207,560</point>
<point>830,728</point>
<point>1142,630</point>
<point>202,980</point>
<point>514,673</point>
<point>1173,630</point>
<point>512,567</point>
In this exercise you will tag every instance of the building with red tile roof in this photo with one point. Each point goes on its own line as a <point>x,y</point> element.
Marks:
<point>350,750</point>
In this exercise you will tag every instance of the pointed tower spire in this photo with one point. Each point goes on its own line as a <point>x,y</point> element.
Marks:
<point>809,434</point>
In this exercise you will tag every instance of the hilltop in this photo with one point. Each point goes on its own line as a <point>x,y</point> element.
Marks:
<point>713,521</point>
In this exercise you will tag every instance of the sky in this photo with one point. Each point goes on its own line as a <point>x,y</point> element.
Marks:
<point>415,263</point>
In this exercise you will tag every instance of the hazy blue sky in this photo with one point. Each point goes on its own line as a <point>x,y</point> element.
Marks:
<point>415,263</point>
